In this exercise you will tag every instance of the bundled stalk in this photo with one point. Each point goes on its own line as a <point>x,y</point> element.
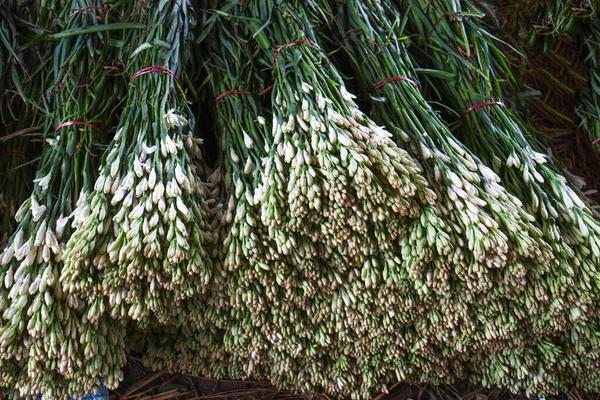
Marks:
<point>196,347</point>
<point>310,202</point>
<point>46,343</point>
<point>489,248</point>
<point>241,244</point>
<point>560,302</point>
<point>141,238</point>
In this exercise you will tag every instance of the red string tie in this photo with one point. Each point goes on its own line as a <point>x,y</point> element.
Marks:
<point>595,142</point>
<point>155,69</point>
<point>72,123</point>
<point>267,90</point>
<point>393,79</point>
<point>484,104</point>
<point>276,53</point>
<point>232,92</point>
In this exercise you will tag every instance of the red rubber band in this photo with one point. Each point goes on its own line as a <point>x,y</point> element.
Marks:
<point>232,92</point>
<point>276,53</point>
<point>82,9</point>
<point>393,79</point>
<point>595,142</point>
<point>484,104</point>
<point>72,123</point>
<point>155,69</point>
<point>267,90</point>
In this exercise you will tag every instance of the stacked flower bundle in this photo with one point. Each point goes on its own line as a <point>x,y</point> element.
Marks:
<point>141,234</point>
<point>47,345</point>
<point>326,242</point>
<point>566,222</point>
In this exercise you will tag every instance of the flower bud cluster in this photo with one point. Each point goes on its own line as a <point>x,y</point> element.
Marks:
<point>144,226</point>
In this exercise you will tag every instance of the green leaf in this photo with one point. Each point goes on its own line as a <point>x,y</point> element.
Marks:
<point>140,48</point>
<point>435,73</point>
<point>97,28</point>
<point>116,43</point>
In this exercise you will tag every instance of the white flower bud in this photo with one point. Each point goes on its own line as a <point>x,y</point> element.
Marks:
<point>153,221</point>
<point>118,134</point>
<point>43,183</point>
<point>248,140</point>
<point>456,181</point>
<point>159,191</point>
<point>306,88</point>
<point>151,237</point>
<point>346,95</point>
<point>128,181</point>
<point>180,176</point>
<point>344,140</point>
<point>99,185</point>
<point>182,207</point>
<point>128,199</point>
<point>114,168</point>
<point>149,150</point>
<point>451,194</point>
<point>234,156</point>
<point>137,167</point>
<point>22,210</point>
<point>249,167</point>
<point>425,151</point>
<point>172,119</point>
<point>107,185</point>
<point>119,195</point>
<point>40,234</point>
<point>33,288</point>
<point>320,102</point>
<point>152,179</point>
<point>52,241</point>
<point>7,255</point>
<point>289,152</point>
<point>136,212</point>
<point>168,146</point>
<point>53,142</point>
<point>18,240</point>
<point>304,105</point>
<point>9,278</point>
<point>488,173</point>
<point>37,210</point>
<point>141,187</point>
<point>180,226</point>
<point>277,134</point>
<point>118,217</point>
